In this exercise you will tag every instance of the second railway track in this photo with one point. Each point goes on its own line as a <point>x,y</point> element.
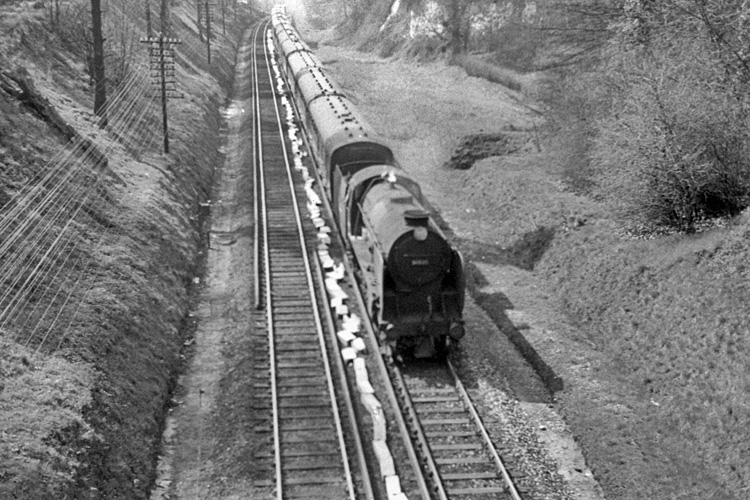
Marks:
<point>306,449</point>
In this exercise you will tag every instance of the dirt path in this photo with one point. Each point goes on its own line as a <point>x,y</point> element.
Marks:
<point>187,469</point>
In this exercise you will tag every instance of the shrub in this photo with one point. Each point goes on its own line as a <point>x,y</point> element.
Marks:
<point>674,148</point>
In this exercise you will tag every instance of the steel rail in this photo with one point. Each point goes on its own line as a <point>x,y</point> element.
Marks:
<point>257,152</point>
<point>263,219</point>
<point>271,208</point>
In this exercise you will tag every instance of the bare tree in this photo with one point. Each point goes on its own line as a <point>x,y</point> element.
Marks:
<point>53,11</point>
<point>199,21</point>
<point>223,5</point>
<point>671,132</point>
<point>122,52</point>
<point>458,25</point>
<point>100,89</point>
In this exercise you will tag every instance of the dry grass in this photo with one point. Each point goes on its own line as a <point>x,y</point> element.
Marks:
<point>673,312</point>
<point>42,399</point>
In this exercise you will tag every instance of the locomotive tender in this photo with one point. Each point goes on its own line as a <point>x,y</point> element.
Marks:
<point>412,278</point>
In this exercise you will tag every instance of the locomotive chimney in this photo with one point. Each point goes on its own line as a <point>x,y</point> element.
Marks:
<point>418,220</point>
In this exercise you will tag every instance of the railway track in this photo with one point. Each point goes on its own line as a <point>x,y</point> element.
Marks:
<point>457,453</point>
<point>444,453</point>
<point>306,439</point>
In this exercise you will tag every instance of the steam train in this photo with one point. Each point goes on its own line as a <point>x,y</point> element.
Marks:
<point>412,278</point>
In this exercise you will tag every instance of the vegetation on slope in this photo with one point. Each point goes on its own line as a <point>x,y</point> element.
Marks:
<point>647,103</point>
<point>660,86</point>
<point>94,315</point>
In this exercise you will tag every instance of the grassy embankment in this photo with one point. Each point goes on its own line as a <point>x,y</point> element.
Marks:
<point>81,413</point>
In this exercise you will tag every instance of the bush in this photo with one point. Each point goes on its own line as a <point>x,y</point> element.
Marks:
<point>674,149</point>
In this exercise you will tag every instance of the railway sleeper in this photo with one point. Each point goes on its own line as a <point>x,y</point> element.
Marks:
<point>292,372</point>
<point>294,402</point>
<point>330,453</point>
<point>307,466</point>
<point>457,447</point>
<point>448,421</point>
<point>325,424</point>
<point>300,391</point>
<point>295,367</point>
<point>464,476</point>
<point>296,352</point>
<point>435,399</point>
<point>306,493</point>
<point>310,436</point>
<point>455,434</point>
<point>461,460</point>
<point>307,382</point>
<point>310,414</point>
<point>444,409</point>
<point>473,491</point>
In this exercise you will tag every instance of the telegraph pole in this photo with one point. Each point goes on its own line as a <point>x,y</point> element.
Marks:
<point>161,52</point>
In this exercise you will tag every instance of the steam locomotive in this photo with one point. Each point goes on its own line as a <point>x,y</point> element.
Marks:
<point>412,278</point>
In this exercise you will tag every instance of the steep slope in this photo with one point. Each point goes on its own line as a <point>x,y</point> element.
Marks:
<point>87,377</point>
